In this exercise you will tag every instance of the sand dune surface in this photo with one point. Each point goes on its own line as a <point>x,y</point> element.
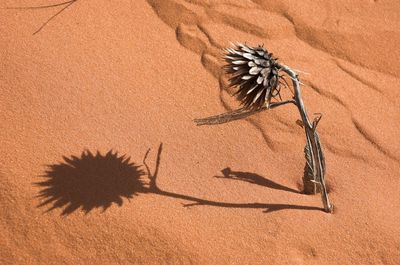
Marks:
<point>101,162</point>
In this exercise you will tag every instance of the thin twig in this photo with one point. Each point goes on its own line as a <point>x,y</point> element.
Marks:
<point>65,4</point>
<point>237,114</point>
<point>54,16</point>
<point>300,71</point>
<point>40,7</point>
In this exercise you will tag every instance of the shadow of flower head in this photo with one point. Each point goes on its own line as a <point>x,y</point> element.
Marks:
<point>90,181</point>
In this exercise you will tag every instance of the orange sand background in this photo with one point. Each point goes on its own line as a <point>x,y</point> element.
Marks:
<point>128,75</point>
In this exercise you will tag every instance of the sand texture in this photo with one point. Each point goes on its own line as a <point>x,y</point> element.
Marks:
<point>84,99</point>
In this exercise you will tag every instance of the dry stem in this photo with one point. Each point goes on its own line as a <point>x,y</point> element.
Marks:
<point>314,154</point>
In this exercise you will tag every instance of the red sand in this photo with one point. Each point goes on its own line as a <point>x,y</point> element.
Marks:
<point>129,75</point>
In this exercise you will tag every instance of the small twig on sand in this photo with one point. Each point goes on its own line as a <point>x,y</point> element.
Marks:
<point>65,4</point>
<point>237,114</point>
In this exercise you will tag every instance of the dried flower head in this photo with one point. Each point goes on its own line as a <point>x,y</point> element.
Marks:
<point>255,72</point>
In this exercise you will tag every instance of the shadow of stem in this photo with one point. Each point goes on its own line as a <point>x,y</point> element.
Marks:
<point>269,207</point>
<point>94,180</point>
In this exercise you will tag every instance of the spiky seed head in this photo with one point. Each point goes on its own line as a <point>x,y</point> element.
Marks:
<point>255,72</point>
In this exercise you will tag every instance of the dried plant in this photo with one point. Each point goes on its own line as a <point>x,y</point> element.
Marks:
<point>255,72</point>
<point>259,78</point>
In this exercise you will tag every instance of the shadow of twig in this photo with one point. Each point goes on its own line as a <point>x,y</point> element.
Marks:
<point>269,207</point>
<point>254,179</point>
